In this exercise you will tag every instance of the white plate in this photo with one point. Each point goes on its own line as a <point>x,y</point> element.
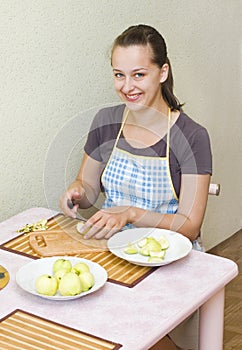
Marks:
<point>180,246</point>
<point>27,275</point>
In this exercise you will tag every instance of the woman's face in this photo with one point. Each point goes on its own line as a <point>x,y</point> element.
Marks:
<point>137,80</point>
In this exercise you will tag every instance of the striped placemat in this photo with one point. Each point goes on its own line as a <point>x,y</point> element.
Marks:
<point>23,330</point>
<point>119,271</point>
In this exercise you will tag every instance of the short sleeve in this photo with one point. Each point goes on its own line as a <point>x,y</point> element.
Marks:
<point>197,156</point>
<point>94,139</point>
<point>103,132</point>
<point>191,147</point>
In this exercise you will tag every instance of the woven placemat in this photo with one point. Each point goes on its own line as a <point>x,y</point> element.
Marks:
<point>23,330</point>
<point>119,271</point>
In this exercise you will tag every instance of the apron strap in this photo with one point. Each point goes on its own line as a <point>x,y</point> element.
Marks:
<point>168,134</point>
<point>121,128</point>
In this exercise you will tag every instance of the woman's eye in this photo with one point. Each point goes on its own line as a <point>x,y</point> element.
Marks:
<point>118,75</point>
<point>139,75</point>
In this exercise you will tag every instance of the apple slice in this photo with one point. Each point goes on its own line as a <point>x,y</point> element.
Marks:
<point>155,259</point>
<point>142,242</point>
<point>131,249</point>
<point>160,254</point>
<point>164,243</point>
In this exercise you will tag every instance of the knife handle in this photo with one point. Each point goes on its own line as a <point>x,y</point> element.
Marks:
<point>71,203</point>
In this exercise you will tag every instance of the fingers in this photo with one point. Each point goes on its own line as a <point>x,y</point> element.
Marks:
<point>68,208</point>
<point>101,225</point>
<point>100,233</point>
<point>67,204</point>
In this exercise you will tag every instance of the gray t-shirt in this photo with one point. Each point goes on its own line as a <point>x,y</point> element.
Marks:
<point>189,153</point>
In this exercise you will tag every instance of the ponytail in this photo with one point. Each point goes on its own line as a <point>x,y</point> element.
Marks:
<point>167,91</point>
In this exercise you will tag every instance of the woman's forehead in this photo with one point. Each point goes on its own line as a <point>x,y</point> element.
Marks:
<point>137,55</point>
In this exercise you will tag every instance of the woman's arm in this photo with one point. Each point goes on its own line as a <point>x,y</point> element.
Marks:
<point>85,189</point>
<point>192,205</point>
<point>187,220</point>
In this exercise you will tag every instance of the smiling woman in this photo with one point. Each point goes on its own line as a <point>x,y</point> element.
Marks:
<point>150,159</point>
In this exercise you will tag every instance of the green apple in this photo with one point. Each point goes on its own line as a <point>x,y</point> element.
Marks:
<point>144,251</point>
<point>164,243</point>
<point>131,249</point>
<point>153,244</point>
<point>60,273</point>
<point>70,284</point>
<point>155,259</point>
<point>80,268</point>
<point>160,254</point>
<point>46,285</point>
<point>150,247</point>
<point>62,264</point>
<point>87,280</point>
<point>142,242</point>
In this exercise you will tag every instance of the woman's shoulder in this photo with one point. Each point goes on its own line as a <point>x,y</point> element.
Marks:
<point>188,125</point>
<point>110,115</point>
<point>191,146</point>
<point>106,123</point>
<point>186,132</point>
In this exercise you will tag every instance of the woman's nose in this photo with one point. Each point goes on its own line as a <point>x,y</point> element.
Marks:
<point>128,85</point>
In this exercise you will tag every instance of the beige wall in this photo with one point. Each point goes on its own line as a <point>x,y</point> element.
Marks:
<point>55,72</point>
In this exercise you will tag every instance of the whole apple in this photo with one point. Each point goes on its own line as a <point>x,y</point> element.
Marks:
<point>70,284</point>
<point>62,264</point>
<point>87,280</point>
<point>80,268</point>
<point>60,273</point>
<point>46,285</point>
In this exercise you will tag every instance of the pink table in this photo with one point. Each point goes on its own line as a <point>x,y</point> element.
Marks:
<point>134,317</point>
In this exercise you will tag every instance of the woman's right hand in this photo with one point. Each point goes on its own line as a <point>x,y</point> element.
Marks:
<point>74,193</point>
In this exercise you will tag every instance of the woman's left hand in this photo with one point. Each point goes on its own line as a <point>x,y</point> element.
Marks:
<point>106,222</point>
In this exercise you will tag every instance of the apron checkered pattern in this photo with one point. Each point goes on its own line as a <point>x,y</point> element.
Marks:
<point>139,181</point>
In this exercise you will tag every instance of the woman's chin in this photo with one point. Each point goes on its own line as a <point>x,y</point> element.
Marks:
<point>134,106</point>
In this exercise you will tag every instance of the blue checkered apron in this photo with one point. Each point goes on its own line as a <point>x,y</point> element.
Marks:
<point>139,181</point>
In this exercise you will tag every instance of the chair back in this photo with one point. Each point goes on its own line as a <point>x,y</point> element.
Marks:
<point>214,189</point>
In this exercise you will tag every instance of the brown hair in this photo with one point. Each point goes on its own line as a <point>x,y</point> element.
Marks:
<point>144,35</point>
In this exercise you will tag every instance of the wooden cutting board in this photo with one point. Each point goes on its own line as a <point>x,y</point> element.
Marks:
<point>4,277</point>
<point>57,242</point>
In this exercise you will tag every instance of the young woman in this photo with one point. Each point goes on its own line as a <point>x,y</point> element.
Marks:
<point>150,159</point>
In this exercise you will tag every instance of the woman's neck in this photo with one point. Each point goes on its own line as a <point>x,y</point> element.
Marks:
<point>146,117</point>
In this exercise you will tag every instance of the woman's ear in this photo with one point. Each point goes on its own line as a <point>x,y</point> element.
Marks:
<point>164,72</point>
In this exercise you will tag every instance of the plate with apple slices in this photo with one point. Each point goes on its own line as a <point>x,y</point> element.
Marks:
<point>149,246</point>
<point>61,277</point>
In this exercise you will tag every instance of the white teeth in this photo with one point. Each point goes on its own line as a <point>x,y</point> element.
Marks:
<point>132,97</point>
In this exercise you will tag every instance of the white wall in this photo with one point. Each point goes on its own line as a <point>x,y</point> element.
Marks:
<point>55,72</point>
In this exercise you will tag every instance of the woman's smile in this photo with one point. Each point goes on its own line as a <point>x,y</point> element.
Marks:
<point>133,97</point>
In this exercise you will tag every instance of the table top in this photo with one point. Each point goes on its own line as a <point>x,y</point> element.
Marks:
<point>134,317</point>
